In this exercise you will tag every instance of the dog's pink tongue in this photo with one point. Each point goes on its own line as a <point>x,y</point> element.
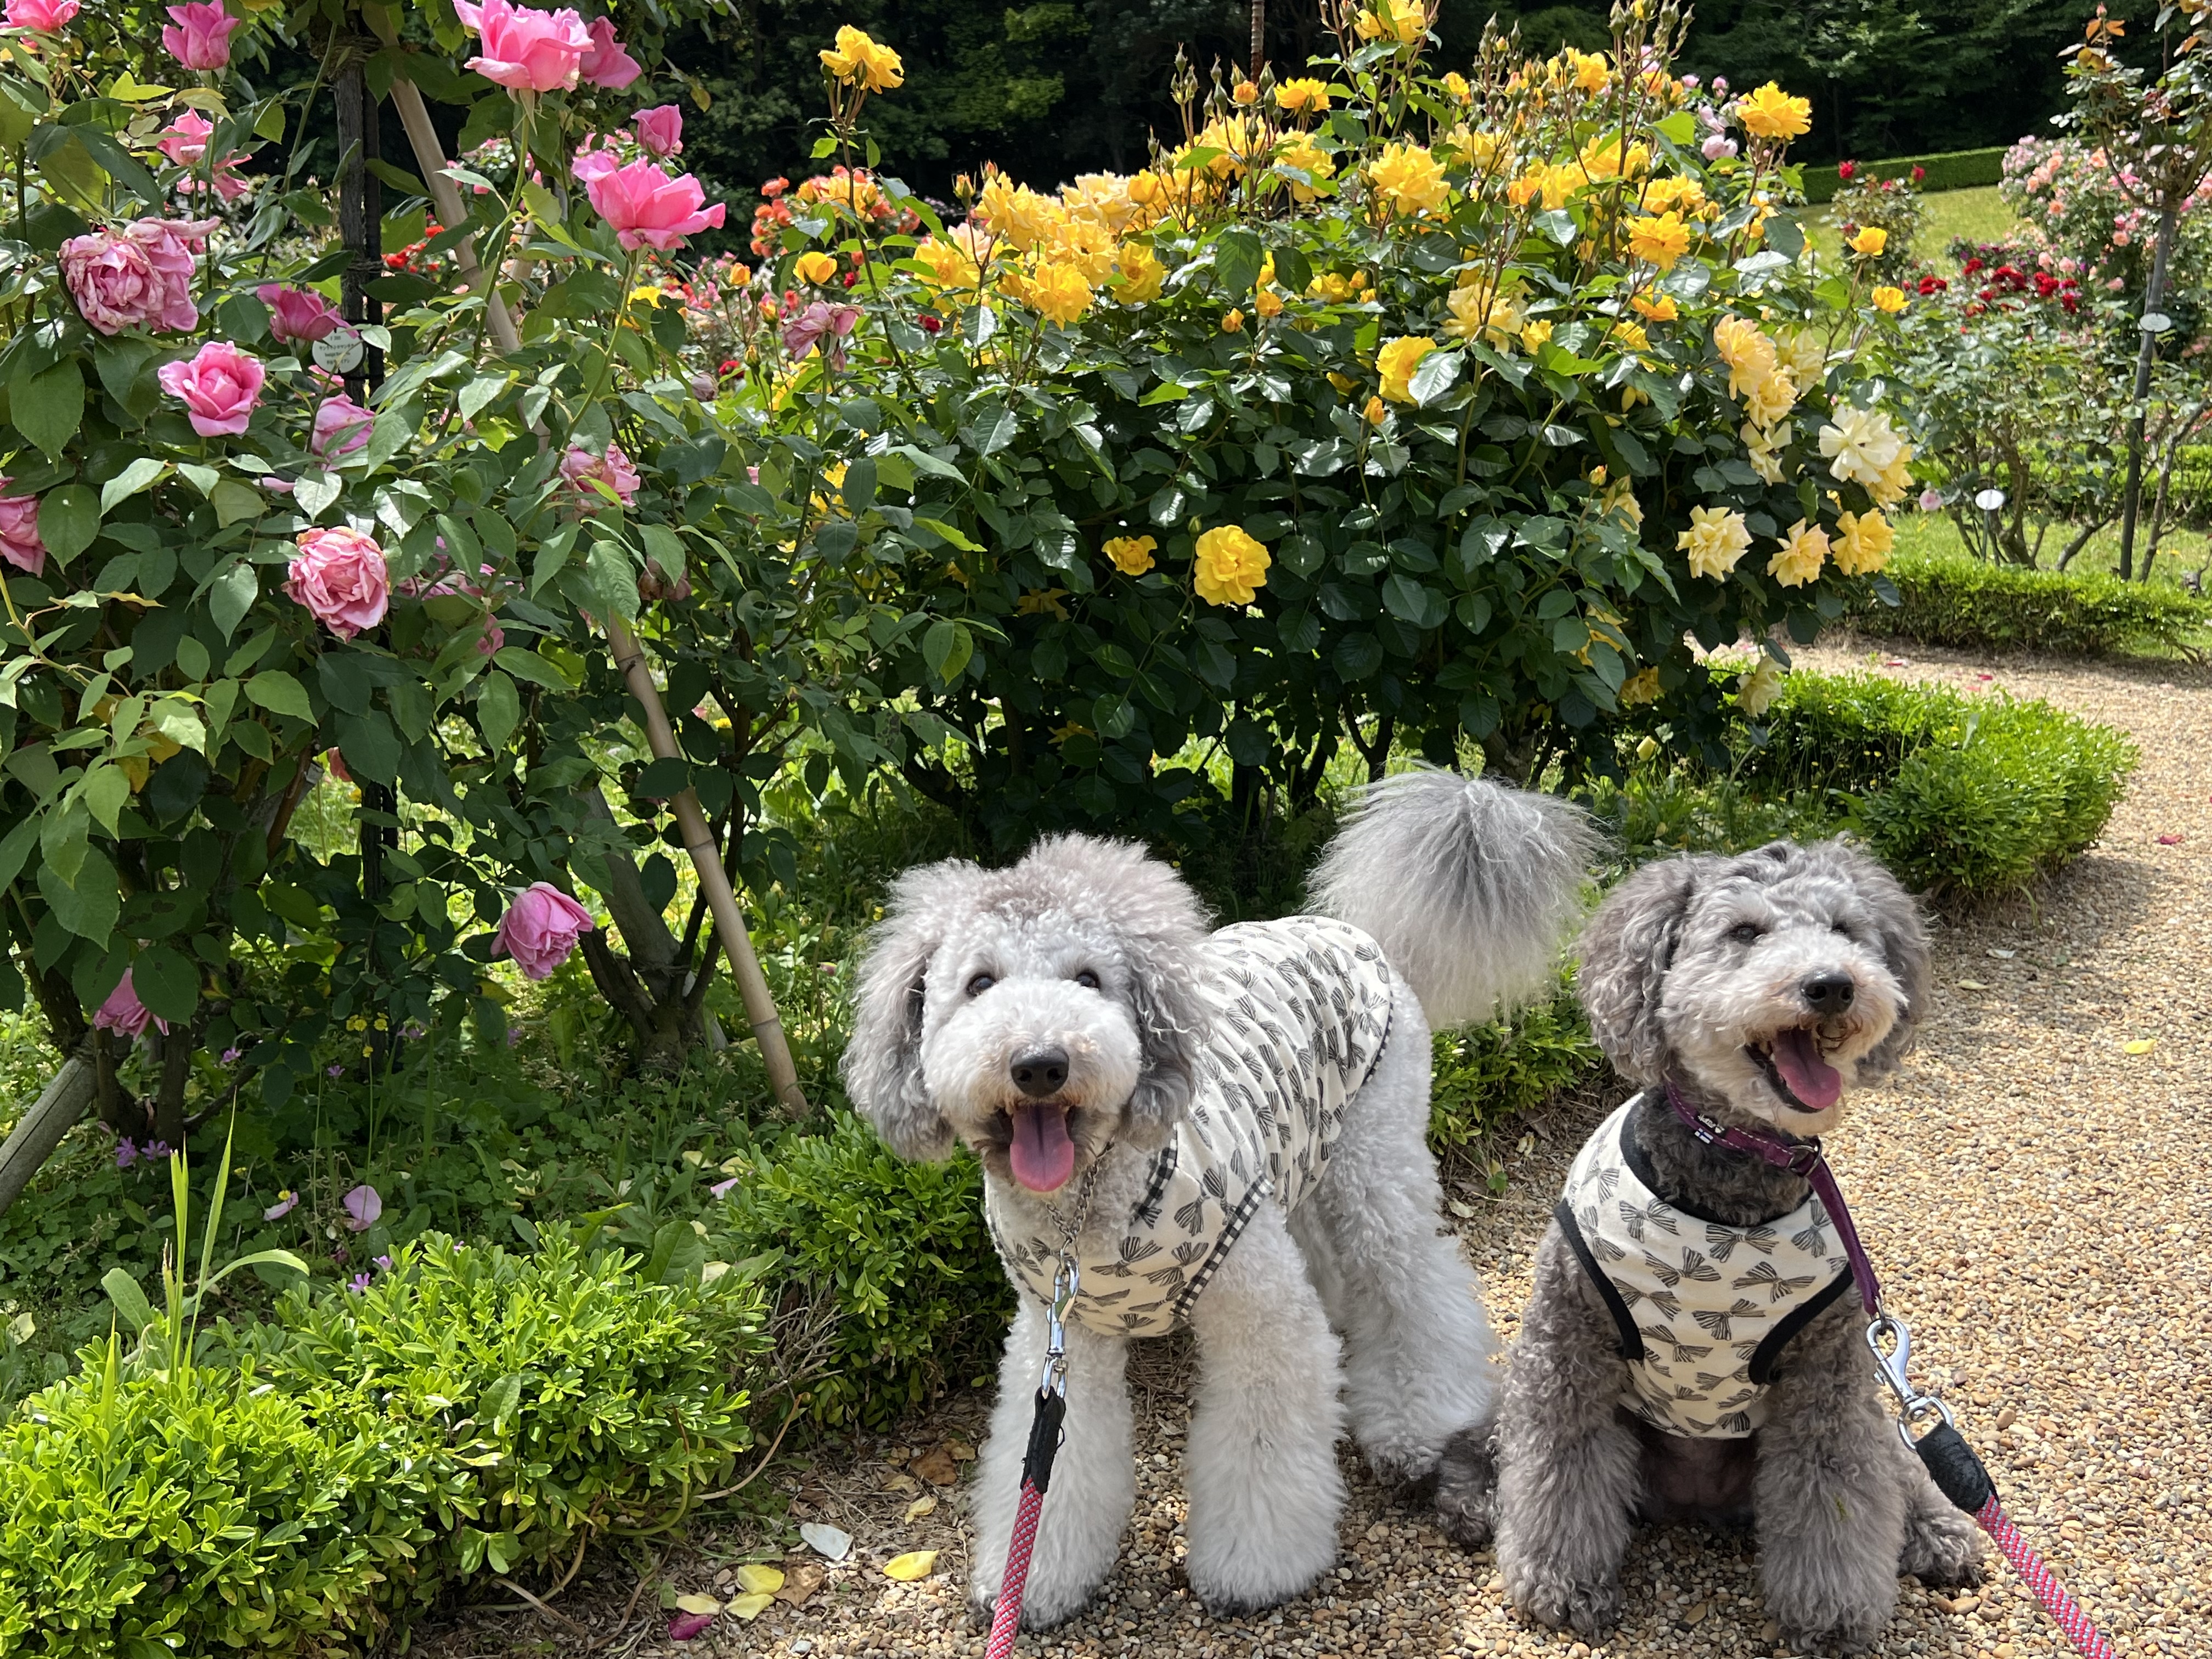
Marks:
<point>1810,1078</point>
<point>1042,1155</point>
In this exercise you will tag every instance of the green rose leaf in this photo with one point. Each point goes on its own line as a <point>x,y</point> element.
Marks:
<point>47,407</point>
<point>167,982</point>
<point>69,519</point>
<point>279,693</point>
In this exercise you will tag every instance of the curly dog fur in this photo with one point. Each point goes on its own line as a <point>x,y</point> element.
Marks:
<point>1721,976</point>
<point>1077,974</point>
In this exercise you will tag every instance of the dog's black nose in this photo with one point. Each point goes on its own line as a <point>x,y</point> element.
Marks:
<point>1828,993</point>
<point>1041,1073</point>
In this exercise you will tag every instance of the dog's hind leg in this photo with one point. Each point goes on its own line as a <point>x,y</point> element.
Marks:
<point>1265,1491</point>
<point>1831,1503</point>
<point>1094,1479</point>
<point>1418,1346</point>
<point>1569,1470</point>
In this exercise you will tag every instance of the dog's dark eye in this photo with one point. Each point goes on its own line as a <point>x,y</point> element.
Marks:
<point>1842,927</point>
<point>1087,979</point>
<point>979,984</point>
<point>1746,932</point>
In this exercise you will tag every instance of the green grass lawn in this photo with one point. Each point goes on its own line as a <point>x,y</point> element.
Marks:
<point>1978,215</point>
<point>2182,551</point>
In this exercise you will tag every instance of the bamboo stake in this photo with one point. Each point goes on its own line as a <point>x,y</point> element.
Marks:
<point>629,659</point>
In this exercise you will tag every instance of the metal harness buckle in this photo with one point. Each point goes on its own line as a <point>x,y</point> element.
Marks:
<point>1914,1409</point>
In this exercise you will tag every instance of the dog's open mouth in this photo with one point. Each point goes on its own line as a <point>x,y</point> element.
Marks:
<point>1795,1064</point>
<point>1042,1151</point>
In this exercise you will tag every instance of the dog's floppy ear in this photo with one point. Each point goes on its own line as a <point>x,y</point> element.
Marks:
<point>1160,926</point>
<point>883,1062</point>
<point>1904,950</point>
<point>1625,952</point>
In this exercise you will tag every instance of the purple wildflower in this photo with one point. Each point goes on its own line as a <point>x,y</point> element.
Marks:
<point>126,1153</point>
<point>230,1056</point>
<point>362,1206</point>
<point>287,1202</point>
<point>384,1264</point>
<point>334,1071</point>
<point>358,1283</point>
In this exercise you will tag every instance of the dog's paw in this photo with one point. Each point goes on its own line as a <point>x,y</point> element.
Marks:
<point>1942,1547</point>
<point>1839,1634</point>
<point>1038,1612</point>
<point>1590,1609</point>
<point>1464,1489</point>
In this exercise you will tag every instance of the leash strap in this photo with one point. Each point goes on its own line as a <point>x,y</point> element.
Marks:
<point>1037,1476</point>
<point>1950,1461</point>
<point>1801,1158</point>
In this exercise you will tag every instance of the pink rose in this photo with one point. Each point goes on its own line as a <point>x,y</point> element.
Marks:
<point>201,37</point>
<point>591,164</point>
<point>19,531</point>
<point>139,276</point>
<point>540,928</point>
<point>605,63</point>
<point>220,386</point>
<point>821,320</point>
<point>524,50</point>
<point>296,314</point>
<point>579,467</point>
<point>493,638</point>
<point>659,130</point>
<point>185,142</point>
<point>342,428</point>
<point>647,208</point>
<point>46,16</point>
<point>340,576</point>
<point>124,1013</point>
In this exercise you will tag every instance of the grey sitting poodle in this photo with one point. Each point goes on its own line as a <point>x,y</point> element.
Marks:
<point>1692,1349</point>
<point>1225,1130</point>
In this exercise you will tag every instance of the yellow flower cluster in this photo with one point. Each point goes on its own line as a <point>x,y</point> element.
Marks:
<point>1231,567</point>
<point>1405,21</point>
<point>1755,371</point>
<point>1478,310</point>
<point>1863,548</point>
<point>859,61</point>
<point>1863,448</point>
<point>1716,539</point>
<point>1803,551</point>
<point>1660,241</point>
<point>1410,178</point>
<point>1304,96</point>
<point>1067,247</point>
<point>1601,159</point>
<point>1338,289</point>
<point>1771,113</point>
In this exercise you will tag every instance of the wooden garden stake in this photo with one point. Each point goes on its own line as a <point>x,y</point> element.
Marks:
<point>629,659</point>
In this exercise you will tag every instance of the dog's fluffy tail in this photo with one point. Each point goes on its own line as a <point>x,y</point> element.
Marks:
<point>1469,886</point>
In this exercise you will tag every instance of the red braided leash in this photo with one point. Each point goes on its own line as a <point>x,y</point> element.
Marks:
<point>2064,1610</point>
<point>1006,1615</point>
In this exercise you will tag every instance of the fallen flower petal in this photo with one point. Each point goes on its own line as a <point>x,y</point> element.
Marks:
<point>749,1607</point>
<point>696,1602</point>
<point>2140,1046</point>
<point>826,1539</point>
<point>914,1565</point>
<point>760,1580</point>
<point>686,1626</point>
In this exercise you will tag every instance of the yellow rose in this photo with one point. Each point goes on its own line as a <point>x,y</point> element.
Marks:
<point>1631,335</point>
<point>1641,687</point>
<point>1310,158</point>
<point>1233,323</point>
<point>1869,241</point>
<point>1132,555</point>
<point>1889,299</point>
<point>1601,159</point>
<point>1304,96</point>
<point>1763,448</point>
<point>1058,293</point>
<point>1660,310</point>
<point>1395,363</point>
<point>1587,68</point>
<point>1768,400</point>
<point>1141,274</point>
<point>1410,178</point>
<point>1716,539</point>
<point>1804,550</point>
<point>1890,487</point>
<point>1456,84</point>
<point>1771,113</point>
<point>1863,548</point>
<point>1269,303</point>
<point>1748,354</point>
<point>949,264</point>
<point>1661,241</point>
<point>1376,411</point>
<point>1402,20</point>
<point>1757,691</point>
<point>1231,567</point>
<point>816,268</point>
<point>861,62</point>
<point>1244,91</point>
<point>1535,336</point>
<point>1475,310</point>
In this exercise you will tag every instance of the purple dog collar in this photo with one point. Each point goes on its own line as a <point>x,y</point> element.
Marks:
<point>1799,1158</point>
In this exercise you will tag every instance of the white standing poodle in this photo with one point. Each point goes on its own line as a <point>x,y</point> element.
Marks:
<point>1224,1130</point>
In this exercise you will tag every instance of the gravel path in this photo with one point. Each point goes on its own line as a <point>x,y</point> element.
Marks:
<point>2036,1198</point>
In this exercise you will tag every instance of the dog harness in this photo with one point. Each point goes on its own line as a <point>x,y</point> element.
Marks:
<point>1705,1307</point>
<point>1299,1011</point>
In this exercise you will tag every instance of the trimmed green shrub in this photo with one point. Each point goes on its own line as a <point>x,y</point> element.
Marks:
<point>1960,796</point>
<point>902,1251</point>
<point>301,1487</point>
<point>1950,169</point>
<point>1484,1074</point>
<point>1951,599</point>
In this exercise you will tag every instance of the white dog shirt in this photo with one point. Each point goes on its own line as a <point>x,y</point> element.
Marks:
<point>1300,1011</point>
<point>1705,1307</point>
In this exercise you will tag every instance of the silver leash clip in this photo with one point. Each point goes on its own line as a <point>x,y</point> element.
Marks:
<point>1891,1341</point>
<point>1065,1281</point>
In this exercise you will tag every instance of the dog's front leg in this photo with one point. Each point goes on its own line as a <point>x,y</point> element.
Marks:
<point>1265,1492</point>
<point>1830,1504</point>
<point>1569,1475</point>
<point>1094,1479</point>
